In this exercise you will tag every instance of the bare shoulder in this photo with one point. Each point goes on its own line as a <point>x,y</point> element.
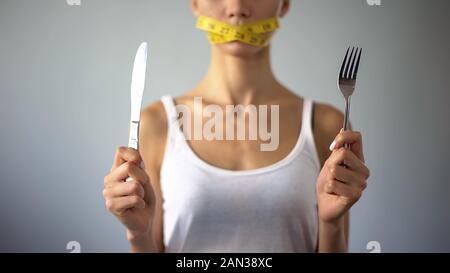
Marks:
<point>152,143</point>
<point>328,119</point>
<point>152,134</point>
<point>153,118</point>
<point>327,123</point>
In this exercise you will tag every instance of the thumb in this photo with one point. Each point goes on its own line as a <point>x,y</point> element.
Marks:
<point>353,139</point>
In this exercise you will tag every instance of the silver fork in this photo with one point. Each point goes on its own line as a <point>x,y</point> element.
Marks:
<point>347,80</point>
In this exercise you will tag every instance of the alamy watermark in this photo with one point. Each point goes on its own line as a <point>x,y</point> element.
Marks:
<point>373,2</point>
<point>373,247</point>
<point>232,122</point>
<point>73,247</point>
<point>73,2</point>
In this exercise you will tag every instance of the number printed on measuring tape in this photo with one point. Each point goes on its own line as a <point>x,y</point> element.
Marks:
<point>253,33</point>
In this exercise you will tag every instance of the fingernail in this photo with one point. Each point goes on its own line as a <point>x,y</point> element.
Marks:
<point>332,145</point>
<point>342,130</point>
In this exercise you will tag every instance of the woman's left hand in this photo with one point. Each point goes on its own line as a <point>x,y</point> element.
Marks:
<point>343,177</point>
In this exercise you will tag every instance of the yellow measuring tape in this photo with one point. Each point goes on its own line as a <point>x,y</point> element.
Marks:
<point>253,33</point>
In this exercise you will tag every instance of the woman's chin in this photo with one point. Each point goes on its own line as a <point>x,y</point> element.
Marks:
<point>239,49</point>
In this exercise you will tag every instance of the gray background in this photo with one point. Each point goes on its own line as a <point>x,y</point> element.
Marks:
<point>64,108</point>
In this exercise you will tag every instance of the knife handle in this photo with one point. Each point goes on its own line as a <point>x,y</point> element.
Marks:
<point>133,141</point>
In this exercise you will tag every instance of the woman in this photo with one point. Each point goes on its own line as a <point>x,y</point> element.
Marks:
<point>229,195</point>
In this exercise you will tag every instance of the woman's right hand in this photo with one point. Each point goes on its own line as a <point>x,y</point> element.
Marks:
<point>132,201</point>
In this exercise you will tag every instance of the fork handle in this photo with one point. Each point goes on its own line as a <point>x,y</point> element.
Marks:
<point>346,118</point>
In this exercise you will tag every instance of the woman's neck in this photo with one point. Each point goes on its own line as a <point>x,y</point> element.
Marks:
<point>239,80</point>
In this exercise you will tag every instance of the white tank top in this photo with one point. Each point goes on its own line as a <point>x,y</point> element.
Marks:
<point>211,209</point>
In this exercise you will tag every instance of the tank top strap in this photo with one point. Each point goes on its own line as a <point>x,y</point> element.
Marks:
<point>307,120</point>
<point>307,114</point>
<point>169,106</point>
<point>171,114</point>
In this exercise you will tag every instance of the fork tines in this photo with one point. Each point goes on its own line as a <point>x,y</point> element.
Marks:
<point>349,70</point>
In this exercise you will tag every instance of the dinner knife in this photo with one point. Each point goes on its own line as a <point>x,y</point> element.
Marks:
<point>137,91</point>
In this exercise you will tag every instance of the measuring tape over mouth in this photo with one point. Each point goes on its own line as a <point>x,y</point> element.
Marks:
<point>254,34</point>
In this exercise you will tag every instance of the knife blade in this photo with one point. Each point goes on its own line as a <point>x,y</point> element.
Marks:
<point>137,91</point>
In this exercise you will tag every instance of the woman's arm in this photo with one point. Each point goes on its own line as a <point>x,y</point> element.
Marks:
<point>333,237</point>
<point>338,188</point>
<point>143,243</point>
<point>152,142</point>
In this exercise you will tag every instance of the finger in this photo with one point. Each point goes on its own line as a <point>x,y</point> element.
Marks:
<point>127,169</point>
<point>343,156</point>
<point>348,177</point>
<point>338,188</point>
<point>121,204</point>
<point>353,138</point>
<point>349,159</point>
<point>124,189</point>
<point>125,154</point>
